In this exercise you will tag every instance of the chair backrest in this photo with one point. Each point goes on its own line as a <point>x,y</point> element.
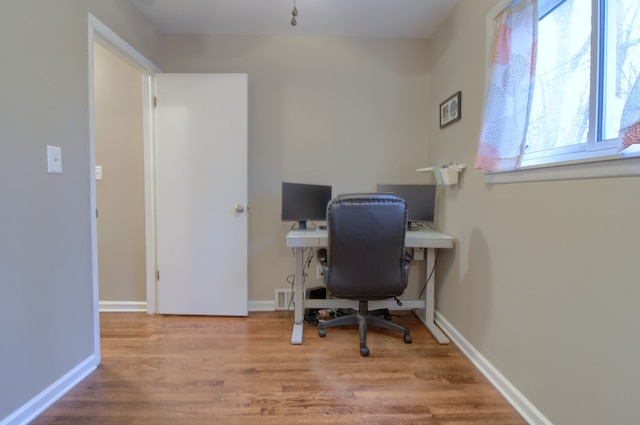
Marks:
<point>365,252</point>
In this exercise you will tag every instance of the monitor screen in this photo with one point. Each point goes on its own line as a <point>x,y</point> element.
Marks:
<point>302,202</point>
<point>420,198</point>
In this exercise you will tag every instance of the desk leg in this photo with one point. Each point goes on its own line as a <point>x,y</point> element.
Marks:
<point>298,298</point>
<point>428,314</point>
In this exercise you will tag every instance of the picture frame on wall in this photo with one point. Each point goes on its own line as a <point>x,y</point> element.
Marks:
<point>451,110</point>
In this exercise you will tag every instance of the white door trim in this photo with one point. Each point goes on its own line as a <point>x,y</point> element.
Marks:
<point>99,32</point>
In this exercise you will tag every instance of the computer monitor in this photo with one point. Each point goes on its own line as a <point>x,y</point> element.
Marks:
<point>420,198</point>
<point>302,202</point>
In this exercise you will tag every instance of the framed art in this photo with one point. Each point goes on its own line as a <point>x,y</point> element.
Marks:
<point>451,110</point>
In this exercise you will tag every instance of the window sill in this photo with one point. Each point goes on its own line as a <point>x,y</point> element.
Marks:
<point>619,165</point>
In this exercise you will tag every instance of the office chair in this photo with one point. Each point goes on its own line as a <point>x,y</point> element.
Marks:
<point>365,258</point>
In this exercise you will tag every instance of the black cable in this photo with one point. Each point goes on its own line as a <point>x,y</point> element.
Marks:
<point>291,279</point>
<point>433,269</point>
<point>410,314</point>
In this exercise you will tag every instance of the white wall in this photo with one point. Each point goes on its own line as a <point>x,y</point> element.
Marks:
<point>544,279</point>
<point>345,112</point>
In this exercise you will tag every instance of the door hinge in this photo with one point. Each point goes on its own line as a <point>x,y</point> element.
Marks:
<point>96,213</point>
<point>157,274</point>
<point>155,101</point>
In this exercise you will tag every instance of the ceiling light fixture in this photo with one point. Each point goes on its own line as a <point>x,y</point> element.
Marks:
<point>294,13</point>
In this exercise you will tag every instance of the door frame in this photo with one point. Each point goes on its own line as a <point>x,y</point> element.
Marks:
<point>99,32</point>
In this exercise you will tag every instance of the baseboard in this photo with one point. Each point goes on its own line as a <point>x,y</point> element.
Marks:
<point>30,410</point>
<point>132,306</point>
<point>262,306</point>
<point>122,306</point>
<point>517,400</point>
<point>55,391</point>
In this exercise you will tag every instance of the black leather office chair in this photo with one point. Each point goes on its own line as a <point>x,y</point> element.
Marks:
<point>365,258</point>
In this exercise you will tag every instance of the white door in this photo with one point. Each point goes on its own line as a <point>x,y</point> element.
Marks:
<point>201,204</point>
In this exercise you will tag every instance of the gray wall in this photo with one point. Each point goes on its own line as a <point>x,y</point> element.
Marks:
<point>544,279</point>
<point>46,307</point>
<point>541,281</point>
<point>345,112</point>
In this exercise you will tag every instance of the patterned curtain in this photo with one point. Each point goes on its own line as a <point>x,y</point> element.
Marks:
<point>509,88</point>
<point>630,122</point>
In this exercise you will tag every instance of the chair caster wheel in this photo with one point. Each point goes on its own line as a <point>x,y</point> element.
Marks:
<point>364,351</point>
<point>408,339</point>
<point>322,332</point>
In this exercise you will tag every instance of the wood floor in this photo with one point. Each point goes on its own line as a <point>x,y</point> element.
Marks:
<point>220,370</point>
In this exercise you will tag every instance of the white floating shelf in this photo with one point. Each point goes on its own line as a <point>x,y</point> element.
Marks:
<point>444,174</point>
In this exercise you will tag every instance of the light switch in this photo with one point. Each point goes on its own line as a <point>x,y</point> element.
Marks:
<point>98,172</point>
<point>54,159</point>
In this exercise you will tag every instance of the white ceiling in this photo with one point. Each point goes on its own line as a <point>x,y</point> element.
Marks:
<point>325,18</point>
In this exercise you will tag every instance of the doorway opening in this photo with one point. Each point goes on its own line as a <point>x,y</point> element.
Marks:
<point>100,33</point>
<point>119,156</point>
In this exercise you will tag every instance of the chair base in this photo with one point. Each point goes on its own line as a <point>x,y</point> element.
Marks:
<point>363,318</point>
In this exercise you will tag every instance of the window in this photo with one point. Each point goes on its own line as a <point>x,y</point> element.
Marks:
<point>587,64</point>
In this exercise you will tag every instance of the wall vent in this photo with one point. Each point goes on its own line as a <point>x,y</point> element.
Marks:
<point>283,299</point>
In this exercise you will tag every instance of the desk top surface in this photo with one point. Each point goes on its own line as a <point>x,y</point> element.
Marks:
<point>422,238</point>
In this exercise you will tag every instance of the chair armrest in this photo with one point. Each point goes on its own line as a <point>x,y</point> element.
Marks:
<point>408,255</point>
<point>321,255</point>
<point>407,265</point>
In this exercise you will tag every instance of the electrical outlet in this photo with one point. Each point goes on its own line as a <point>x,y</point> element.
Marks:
<point>54,159</point>
<point>283,299</point>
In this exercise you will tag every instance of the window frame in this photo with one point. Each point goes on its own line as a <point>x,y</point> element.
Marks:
<point>593,159</point>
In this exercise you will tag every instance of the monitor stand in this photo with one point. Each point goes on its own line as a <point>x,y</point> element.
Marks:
<point>302,225</point>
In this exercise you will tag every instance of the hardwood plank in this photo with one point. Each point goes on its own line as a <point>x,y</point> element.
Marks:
<point>229,370</point>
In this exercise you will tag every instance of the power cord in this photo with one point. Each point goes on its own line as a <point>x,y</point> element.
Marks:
<point>433,269</point>
<point>291,279</point>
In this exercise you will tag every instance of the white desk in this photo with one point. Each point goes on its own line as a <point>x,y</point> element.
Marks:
<point>420,240</point>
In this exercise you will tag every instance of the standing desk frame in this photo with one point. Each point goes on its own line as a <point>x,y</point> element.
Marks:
<point>421,241</point>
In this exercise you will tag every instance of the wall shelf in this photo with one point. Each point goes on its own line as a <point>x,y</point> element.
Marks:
<point>446,174</point>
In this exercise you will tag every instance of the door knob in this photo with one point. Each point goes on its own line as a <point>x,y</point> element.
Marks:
<point>239,209</point>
